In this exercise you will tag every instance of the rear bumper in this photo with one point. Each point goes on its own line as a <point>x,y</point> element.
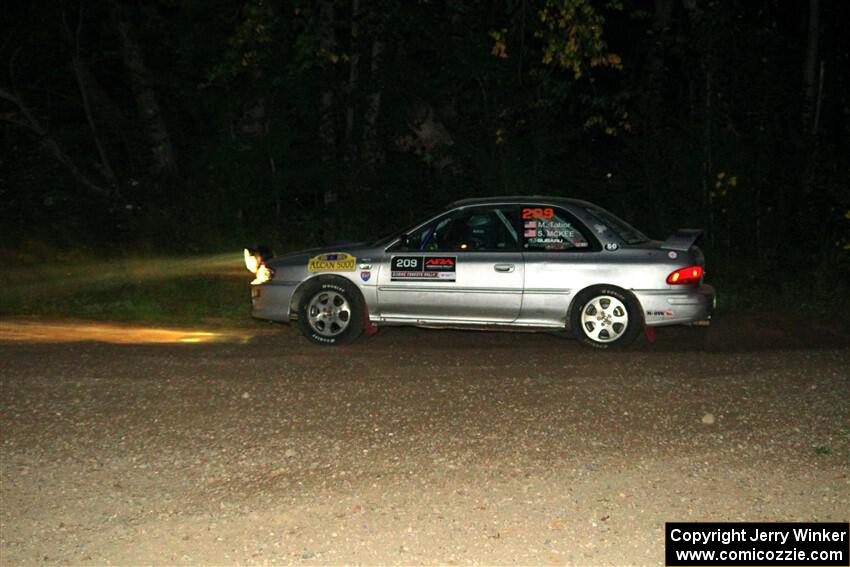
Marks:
<point>271,301</point>
<point>669,307</point>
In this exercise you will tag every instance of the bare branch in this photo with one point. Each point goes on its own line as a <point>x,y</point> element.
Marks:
<point>32,125</point>
<point>81,71</point>
<point>79,25</point>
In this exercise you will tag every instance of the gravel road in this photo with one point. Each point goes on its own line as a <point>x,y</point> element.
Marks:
<point>412,447</point>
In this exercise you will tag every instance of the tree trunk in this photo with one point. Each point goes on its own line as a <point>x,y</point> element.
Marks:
<point>656,54</point>
<point>105,166</point>
<point>81,73</point>
<point>819,101</point>
<point>353,77</point>
<point>810,66</point>
<point>326,134</point>
<point>147,103</point>
<point>327,131</point>
<point>708,160</point>
<point>811,98</point>
<point>115,127</point>
<point>371,149</point>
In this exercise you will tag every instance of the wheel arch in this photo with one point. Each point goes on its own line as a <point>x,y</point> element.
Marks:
<point>298,294</point>
<point>588,290</point>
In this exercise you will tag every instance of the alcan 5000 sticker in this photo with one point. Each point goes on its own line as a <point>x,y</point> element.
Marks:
<point>431,268</point>
<point>333,262</point>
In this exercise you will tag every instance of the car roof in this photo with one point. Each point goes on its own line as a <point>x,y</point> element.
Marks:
<point>518,199</point>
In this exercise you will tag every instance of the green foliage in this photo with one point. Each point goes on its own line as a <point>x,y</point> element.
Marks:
<point>252,45</point>
<point>572,37</point>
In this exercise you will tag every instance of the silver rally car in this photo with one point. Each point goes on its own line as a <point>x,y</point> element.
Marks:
<point>515,262</point>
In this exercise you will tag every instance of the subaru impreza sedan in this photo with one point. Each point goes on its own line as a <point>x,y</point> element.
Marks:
<point>532,263</point>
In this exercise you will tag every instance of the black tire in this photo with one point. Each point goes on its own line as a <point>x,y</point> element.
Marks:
<point>331,312</point>
<point>606,317</point>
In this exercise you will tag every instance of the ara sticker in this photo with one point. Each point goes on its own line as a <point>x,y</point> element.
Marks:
<point>365,275</point>
<point>612,246</point>
<point>672,254</point>
<point>433,268</point>
<point>333,262</point>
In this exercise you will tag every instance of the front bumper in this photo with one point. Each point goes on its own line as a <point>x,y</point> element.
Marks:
<point>675,307</point>
<point>271,301</point>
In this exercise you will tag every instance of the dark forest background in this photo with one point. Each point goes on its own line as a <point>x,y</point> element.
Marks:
<point>197,125</point>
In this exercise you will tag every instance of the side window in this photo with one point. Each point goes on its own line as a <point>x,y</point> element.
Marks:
<point>476,228</point>
<point>551,228</point>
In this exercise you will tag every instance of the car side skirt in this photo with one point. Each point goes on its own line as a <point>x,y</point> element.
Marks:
<point>463,324</point>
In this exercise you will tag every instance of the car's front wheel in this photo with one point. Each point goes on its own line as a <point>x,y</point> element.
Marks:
<point>606,317</point>
<point>331,312</point>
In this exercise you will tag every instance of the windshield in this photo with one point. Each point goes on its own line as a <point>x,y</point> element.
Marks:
<point>626,232</point>
<point>383,241</point>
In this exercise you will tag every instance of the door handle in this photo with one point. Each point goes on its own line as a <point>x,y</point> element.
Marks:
<point>504,268</point>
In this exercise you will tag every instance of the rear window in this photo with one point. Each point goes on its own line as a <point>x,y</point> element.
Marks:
<point>626,232</point>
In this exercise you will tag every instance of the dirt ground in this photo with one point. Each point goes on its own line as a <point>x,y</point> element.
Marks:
<point>415,446</point>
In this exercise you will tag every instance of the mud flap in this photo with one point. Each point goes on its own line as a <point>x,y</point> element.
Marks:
<point>368,327</point>
<point>650,334</point>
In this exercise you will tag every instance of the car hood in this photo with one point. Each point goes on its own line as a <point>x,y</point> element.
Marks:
<point>357,249</point>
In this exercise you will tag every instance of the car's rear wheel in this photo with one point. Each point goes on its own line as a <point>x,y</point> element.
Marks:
<point>331,312</point>
<point>606,317</point>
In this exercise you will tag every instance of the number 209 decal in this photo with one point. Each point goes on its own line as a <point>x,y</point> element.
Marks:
<point>433,268</point>
<point>537,214</point>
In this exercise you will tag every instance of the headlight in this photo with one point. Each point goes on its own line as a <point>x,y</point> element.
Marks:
<point>252,262</point>
<point>264,274</point>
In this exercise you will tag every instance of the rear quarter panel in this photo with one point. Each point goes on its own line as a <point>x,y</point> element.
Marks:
<point>554,279</point>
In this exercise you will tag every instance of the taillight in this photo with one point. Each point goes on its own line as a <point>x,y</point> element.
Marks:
<point>683,276</point>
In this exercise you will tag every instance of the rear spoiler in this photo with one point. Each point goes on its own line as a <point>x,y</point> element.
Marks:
<point>682,239</point>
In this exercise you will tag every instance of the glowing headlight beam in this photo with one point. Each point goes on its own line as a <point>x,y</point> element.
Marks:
<point>81,331</point>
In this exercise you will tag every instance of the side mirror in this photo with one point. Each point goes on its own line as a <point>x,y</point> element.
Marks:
<point>404,241</point>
